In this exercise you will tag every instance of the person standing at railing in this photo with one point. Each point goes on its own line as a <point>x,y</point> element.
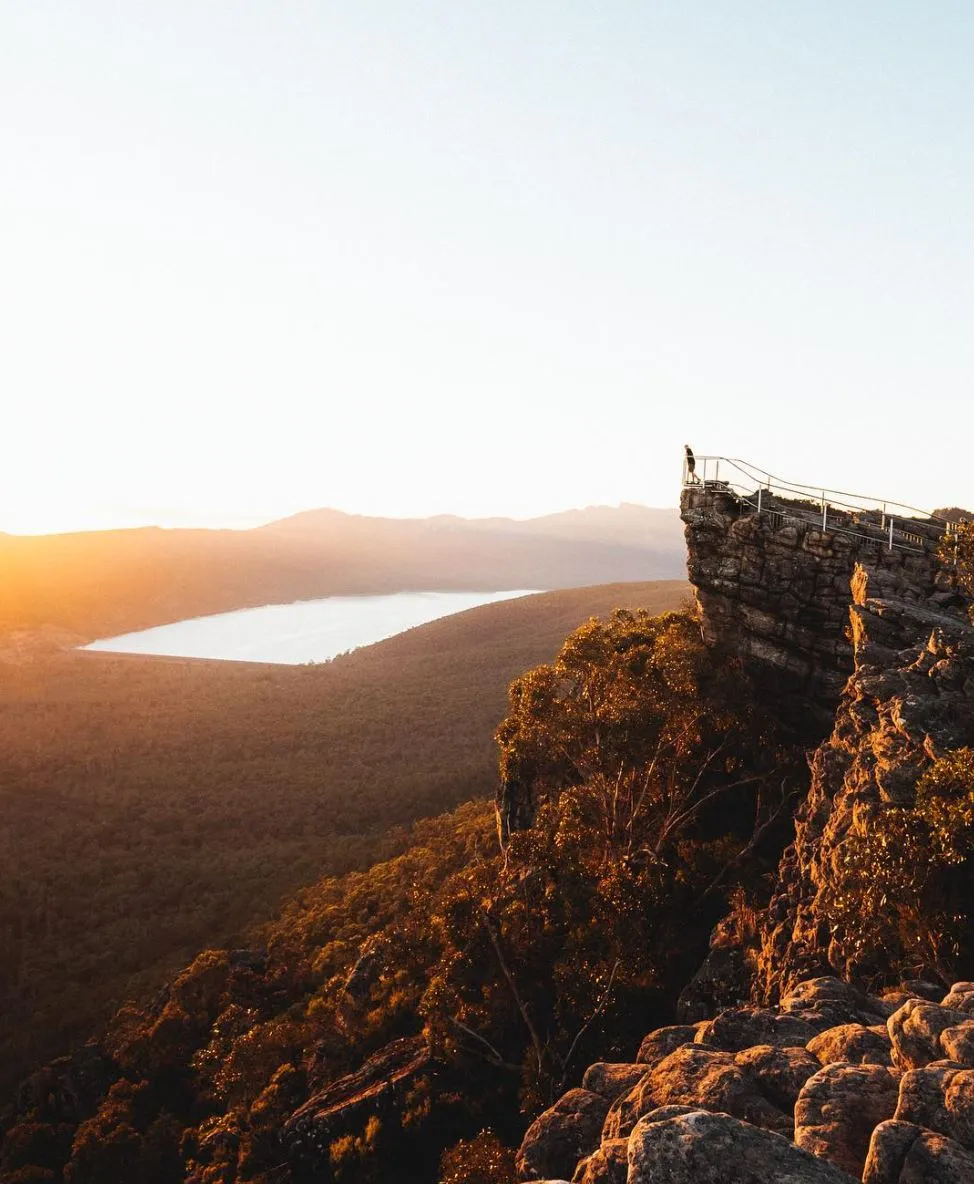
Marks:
<point>691,463</point>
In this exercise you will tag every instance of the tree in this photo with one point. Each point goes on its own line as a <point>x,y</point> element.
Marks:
<point>900,899</point>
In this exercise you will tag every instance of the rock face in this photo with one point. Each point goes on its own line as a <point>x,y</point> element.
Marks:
<point>773,589</point>
<point>909,699</point>
<point>703,1112</point>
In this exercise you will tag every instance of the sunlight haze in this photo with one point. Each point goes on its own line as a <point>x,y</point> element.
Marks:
<point>417,258</point>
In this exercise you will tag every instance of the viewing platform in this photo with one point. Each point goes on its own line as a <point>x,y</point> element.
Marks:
<point>862,518</point>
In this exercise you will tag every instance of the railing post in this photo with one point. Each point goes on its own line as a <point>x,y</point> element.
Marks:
<point>760,491</point>
<point>717,469</point>
<point>891,534</point>
<point>825,512</point>
<point>882,525</point>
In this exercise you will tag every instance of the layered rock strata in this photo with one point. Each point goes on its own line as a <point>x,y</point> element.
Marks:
<point>830,1087</point>
<point>773,589</point>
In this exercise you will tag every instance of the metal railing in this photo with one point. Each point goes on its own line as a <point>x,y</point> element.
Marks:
<point>877,520</point>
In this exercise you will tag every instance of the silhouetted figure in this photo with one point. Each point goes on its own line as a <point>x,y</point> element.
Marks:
<point>691,462</point>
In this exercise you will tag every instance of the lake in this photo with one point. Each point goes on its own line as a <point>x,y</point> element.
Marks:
<point>306,631</point>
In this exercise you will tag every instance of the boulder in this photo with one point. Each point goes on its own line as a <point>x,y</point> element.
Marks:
<point>779,1072</point>
<point>853,1044</point>
<point>561,1136</point>
<point>914,1032</point>
<point>612,1080</point>
<point>838,1108</point>
<point>828,1002</point>
<point>958,1043</point>
<point>941,1098</point>
<point>698,1077</point>
<point>960,997</point>
<point>663,1041</point>
<point>704,1148</point>
<point>901,1153</point>
<point>608,1165</point>
<point>743,1027</point>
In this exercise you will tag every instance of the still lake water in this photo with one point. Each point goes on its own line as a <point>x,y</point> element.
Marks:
<point>306,631</point>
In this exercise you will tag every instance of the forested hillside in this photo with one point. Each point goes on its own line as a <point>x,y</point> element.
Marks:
<point>479,982</point>
<point>154,806</point>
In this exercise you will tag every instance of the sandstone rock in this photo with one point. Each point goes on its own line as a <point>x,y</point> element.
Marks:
<point>958,1043</point>
<point>901,1153</point>
<point>888,1148</point>
<point>940,1097</point>
<point>779,1072</point>
<point>700,1077</point>
<point>744,1027</point>
<point>563,1135</point>
<point>838,1108</point>
<point>704,1148</point>
<point>960,998</point>
<point>663,1041</point>
<point>608,1165</point>
<point>827,998</point>
<point>611,1080</point>
<point>854,1044</point>
<point>914,1032</point>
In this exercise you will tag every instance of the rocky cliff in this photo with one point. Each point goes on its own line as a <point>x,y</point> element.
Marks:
<point>870,643</point>
<point>868,650</point>
<point>774,589</point>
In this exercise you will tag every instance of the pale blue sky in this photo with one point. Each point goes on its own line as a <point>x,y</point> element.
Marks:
<point>408,258</point>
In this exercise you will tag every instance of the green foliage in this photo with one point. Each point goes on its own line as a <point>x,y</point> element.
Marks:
<point>902,890</point>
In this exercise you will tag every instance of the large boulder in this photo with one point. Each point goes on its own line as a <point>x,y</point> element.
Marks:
<point>780,1072</point>
<point>612,1080</point>
<point>958,1043</point>
<point>698,1077</point>
<point>608,1165</point>
<point>705,1148</point>
<point>838,1108</point>
<point>743,1027</point>
<point>561,1136</point>
<point>663,1041</point>
<point>960,997</point>
<point>914,1032</point>
<point>902,1153</point>
<point>853,1044</point>
<point>941,1098</point>
<point>827,1002</point>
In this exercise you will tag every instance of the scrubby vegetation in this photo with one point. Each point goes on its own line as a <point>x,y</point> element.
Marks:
<point>495,975</point>
<point>152,807</point>
<point>906,880</point>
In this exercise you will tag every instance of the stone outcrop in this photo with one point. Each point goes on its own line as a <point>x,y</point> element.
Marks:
<point>773,589</point>
<point>768,1113</point>
<point>910,699</point>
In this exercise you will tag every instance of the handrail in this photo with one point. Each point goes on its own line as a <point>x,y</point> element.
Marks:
<point>825,499</point>
<point>873,502</point>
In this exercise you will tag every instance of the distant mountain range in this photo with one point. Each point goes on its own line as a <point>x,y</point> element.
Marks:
<point>100,583</point>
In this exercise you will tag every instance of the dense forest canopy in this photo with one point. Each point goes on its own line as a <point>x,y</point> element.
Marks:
<point>651,777</point>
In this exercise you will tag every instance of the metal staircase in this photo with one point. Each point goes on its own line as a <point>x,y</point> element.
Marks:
<point>876,520</point>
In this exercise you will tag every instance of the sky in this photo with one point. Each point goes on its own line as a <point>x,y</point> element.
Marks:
<point>408,258</point>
